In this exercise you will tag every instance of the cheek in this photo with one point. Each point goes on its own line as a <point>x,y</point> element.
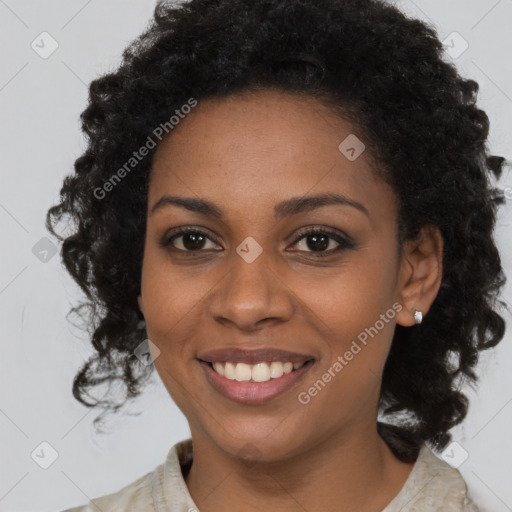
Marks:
<point>348,379</point>
<point>172,306</point>
<point>170,291</point>
<point>357,321</point>
<point>352,296</point>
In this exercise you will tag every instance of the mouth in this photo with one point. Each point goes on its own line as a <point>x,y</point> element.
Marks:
<point>257,383</point>
<point>263,371</point>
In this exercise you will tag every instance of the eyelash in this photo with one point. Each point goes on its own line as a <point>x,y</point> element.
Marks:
<point>344,242</point>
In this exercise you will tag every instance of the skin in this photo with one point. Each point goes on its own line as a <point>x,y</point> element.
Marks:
<point>247,153</point>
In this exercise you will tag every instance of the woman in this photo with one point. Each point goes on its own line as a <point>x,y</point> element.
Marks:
<point>286,206</point>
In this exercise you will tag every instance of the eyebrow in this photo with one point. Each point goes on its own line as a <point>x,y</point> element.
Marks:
<point>287,208</point>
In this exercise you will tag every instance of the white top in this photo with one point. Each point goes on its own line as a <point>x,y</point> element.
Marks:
<point>433,485</point>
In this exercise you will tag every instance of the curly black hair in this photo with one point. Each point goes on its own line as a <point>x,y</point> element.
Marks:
<point>384,72</point>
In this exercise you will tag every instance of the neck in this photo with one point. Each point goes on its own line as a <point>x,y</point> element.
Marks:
<point>332,475</point>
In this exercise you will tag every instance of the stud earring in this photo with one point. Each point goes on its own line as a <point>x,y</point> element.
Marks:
<point>418,316</point>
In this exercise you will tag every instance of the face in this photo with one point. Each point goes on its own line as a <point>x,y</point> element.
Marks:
<point>249,276</point>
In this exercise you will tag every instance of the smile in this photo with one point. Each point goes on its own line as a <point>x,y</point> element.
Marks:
<point>260,372</point>
<point>254,384</point>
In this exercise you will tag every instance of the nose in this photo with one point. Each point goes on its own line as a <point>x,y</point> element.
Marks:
<point>251,294</point>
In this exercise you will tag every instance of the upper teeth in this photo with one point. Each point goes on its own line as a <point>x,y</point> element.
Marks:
<point>260,372</point>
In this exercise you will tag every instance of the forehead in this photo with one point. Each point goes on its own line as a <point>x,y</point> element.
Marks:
<point>260,148</point>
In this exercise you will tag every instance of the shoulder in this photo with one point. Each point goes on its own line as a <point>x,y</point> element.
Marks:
<point>134,496</point>
<point>433,485</point>
<point>163,487</point>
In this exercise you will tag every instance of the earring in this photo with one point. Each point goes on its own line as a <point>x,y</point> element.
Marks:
<point>418,316</point>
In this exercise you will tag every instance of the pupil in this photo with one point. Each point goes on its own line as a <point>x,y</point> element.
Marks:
<point>196,241</point>
<point>315,238</point>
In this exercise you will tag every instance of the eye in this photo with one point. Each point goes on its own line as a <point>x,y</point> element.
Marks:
<point>319,239</point>
<point>192,240</point>
<point>186,240</point>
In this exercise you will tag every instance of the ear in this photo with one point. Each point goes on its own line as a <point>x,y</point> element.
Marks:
<point>420,275</point>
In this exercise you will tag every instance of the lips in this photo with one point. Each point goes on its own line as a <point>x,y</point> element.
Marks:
<point>254,356</point>
<point>251,392</point>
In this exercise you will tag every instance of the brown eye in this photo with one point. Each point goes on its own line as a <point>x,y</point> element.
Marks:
<point>318,241</point>
<point>192,241</point>
<point>187,240</point>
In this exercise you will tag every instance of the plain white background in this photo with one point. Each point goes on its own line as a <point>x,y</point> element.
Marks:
<point>41,100</point>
